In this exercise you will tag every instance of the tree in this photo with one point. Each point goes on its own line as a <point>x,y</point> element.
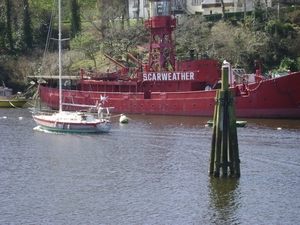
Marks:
<point>118,41</point>
<point>75,18</point>
<point>86,43</point>
<point>138,11</point>
<point>2,27</point>
<point>193,33</point>
<point>125,14</point>
<point>109,14</point>
<point>9,31</point>
<point>223,10</point>
<point>27,30</point>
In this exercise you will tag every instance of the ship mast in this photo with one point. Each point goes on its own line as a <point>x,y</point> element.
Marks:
<point>59,55</point>
<point>161,24</point>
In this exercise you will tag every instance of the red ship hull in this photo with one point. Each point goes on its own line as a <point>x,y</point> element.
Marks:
<point>168,86</point>
<point>269,98</point>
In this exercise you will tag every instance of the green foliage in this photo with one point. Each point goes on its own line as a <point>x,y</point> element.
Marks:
<point>228,16</point>
<point>2,27</point>
<point>287,64</point>
<point>4,74</point>
<point>9,29</point>
<point>27,31</point>
<point>86,43</point>
<point>75,18</point>
<point>193,33</point>
<point>259,12</point>
<point>298,63</point>
<point>233,21</point>
<point>276,27</point>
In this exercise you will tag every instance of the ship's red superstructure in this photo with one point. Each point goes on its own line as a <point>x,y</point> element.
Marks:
<point>161,25</point>
<point>165,86</point>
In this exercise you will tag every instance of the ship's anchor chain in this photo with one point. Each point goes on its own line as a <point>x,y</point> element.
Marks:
<point>254,89</point>
<point>281,92</point>
<point>286,93</point>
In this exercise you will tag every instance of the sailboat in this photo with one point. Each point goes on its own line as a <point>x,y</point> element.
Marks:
<point>74,122</point>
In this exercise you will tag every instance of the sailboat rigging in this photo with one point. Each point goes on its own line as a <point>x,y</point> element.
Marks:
<point>75,122</point>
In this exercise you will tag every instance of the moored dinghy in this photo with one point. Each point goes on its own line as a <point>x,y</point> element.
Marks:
<point>8,100</point>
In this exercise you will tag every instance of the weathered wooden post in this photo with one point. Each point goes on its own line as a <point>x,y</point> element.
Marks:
<point>224,146</point>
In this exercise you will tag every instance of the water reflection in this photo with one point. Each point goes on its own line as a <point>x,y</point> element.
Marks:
<point>223,193</point>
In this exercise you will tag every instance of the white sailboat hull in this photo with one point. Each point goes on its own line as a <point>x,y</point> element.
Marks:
<point>72,122</point>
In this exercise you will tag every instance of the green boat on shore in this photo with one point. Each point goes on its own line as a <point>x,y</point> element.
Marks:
<point>8,100</point>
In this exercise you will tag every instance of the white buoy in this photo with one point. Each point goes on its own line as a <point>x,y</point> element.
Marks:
<point>278,128</point>
<point>20,118</point>
<point>123,119</point>
<point>4,117</point>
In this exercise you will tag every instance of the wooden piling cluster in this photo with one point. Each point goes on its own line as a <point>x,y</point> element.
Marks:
<point>224,147</point>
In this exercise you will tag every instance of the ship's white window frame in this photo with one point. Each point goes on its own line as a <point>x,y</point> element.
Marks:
<point>146,3</point>
<point>197,2</point>
<point>160,8</point>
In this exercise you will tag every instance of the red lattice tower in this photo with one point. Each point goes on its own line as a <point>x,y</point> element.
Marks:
<point>161,24</point>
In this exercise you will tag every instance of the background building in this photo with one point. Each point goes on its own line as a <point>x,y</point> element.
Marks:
<point>206,7</point>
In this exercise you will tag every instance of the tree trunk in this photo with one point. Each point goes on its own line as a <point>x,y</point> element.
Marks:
<point>245,10</point>
<point>8,24</point>
<point>75,18</point>
<point>138,11</point>
<point>127,13</point>
<point>223,10</point>
<point>27,30</point>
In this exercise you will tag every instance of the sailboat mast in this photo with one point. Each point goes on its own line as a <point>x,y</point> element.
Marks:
<point>59,55</point>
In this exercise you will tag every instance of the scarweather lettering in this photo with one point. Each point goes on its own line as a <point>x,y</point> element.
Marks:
<point>167,76</point>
